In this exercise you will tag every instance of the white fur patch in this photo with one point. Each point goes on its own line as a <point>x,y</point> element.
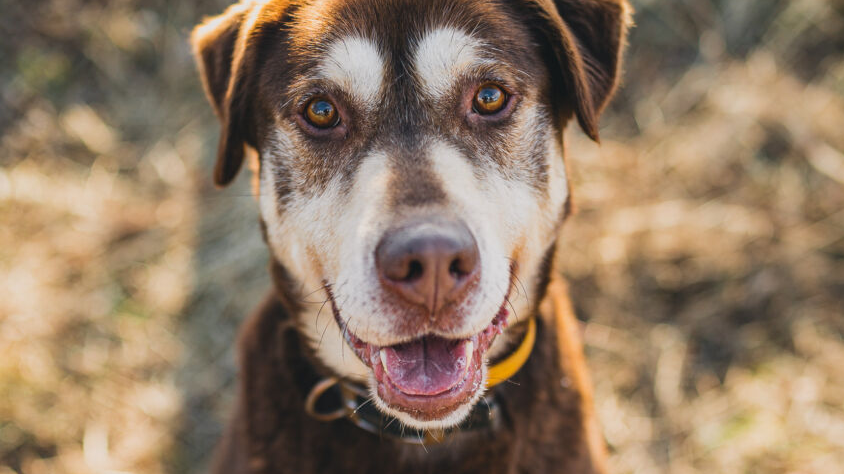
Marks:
<point>443,55</point>
<point>356,65</point>
<point>343,230</point>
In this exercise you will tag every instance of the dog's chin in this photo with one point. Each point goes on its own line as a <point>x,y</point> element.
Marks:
<point>447,419</point>
<point>430,382</point>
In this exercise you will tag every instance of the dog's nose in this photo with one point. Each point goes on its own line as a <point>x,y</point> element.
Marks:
<point>428,262</point>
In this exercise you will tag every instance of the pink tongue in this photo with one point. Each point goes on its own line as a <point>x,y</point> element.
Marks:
<point>426,366</point>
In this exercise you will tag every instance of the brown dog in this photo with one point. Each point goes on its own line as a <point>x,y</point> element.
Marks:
<point>412,184</point>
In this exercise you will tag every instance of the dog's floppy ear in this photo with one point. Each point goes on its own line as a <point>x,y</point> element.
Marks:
<point>220,46</point>
<point>586,38</point>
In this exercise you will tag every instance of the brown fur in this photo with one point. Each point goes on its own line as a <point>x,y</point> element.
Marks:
<point>249,59</point>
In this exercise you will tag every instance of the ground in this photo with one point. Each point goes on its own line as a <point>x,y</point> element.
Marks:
<point>706,258</point>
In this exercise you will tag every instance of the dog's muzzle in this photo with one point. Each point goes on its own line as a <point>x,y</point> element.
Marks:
<point>333,398</point>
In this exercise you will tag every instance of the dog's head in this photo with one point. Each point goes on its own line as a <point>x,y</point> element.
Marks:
<point>411,169</point>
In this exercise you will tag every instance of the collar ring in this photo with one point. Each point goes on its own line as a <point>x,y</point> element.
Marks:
<point>316,393</point>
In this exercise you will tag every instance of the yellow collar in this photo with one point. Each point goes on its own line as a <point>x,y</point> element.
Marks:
<point>511,364</point>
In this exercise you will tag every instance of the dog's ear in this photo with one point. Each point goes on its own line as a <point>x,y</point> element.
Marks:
<point>224,62</point>
<point>586,38</point>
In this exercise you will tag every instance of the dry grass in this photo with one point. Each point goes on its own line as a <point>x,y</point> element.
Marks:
<point>706,259</point>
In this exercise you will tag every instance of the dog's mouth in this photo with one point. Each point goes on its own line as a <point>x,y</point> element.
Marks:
<point>430,377</point>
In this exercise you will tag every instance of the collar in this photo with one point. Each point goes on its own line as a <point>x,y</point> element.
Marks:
<point>353,401</point>
<point>502,370</point>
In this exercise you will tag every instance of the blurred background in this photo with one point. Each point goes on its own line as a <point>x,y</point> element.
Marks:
<point>706,258</point>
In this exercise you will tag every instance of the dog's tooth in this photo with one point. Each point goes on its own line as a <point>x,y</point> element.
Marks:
<point>469,348</point>
<point>383,360</point>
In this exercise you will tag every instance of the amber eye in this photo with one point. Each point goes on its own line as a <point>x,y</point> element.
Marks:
<point>489,99</point>
<point>321,113</point>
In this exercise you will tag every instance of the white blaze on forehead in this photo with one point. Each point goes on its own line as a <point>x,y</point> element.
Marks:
<point>356,65</point>
<point>443,55</point>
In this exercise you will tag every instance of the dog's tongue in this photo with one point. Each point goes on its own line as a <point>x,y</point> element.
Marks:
<point>427,366</point>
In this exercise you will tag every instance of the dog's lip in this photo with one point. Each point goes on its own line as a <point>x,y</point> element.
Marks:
<point>429,401</point>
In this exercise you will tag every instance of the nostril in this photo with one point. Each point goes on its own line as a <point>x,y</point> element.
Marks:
<point>456,268</point>
<point>414,271</point>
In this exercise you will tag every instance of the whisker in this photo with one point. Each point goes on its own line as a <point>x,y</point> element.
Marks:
<point>368,400</point>
<point>515,313</point>
<point>431,434</point>
<point>316,320</point>
<point>357,326</point>
<point>316,326</point>
<point>519,281</point>
<point>506,381</point>
<point>489,408</point>
<point>391,422</point>
<point>345,338</point>
<point>423,445</point>
<point>323,287</point>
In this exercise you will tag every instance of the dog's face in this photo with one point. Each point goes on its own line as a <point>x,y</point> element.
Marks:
<point>411,170</point>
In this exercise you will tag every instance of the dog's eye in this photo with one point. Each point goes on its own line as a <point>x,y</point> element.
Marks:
<point>321,113</point>
<point>489,99</point>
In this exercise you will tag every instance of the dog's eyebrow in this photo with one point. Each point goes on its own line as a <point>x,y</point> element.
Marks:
<point>445,54</point>
<point>355,65</point>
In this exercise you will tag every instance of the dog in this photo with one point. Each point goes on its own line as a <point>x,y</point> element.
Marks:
<point>410,174</point>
